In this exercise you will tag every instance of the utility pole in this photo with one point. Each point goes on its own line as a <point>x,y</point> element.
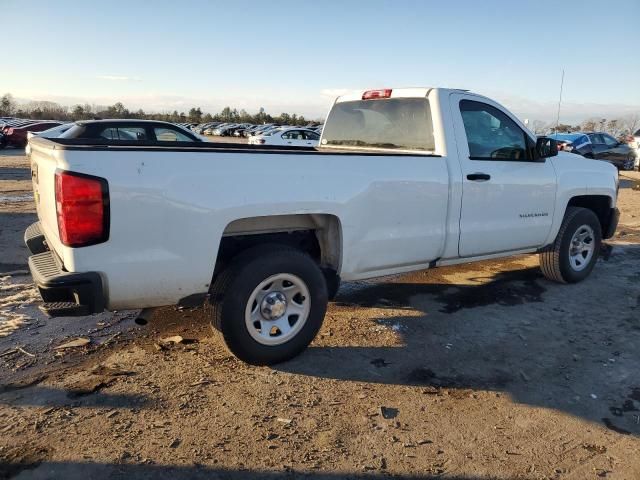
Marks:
<point>560,101</point>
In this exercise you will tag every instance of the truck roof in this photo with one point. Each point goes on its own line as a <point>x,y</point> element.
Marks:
<point>123,120</point>
<point>406,92</point>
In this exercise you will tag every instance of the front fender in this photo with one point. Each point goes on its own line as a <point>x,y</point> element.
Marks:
<point>579,176</point>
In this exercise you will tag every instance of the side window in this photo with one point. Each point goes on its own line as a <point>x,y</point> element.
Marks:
<point>109,134</point>
<point>132,133</point>
<point>596,138</point>
<point>610,141</point>
<point>170,135</point>
<point>290,135</point>
<point>491,134</point>
<point>312,136</point>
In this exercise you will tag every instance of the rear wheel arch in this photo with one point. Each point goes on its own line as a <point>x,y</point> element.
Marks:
<point>318,235</point>
<point>267,287</point>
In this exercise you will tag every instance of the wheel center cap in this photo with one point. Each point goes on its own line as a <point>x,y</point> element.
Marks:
<point>273,306</point>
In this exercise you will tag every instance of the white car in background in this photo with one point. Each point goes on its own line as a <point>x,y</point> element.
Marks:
<point>291,137</point>
<point>54,132</point>
<point>635,145</point>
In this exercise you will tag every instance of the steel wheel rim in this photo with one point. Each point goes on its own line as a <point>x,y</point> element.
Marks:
<point>277,309</point>
<point>629,164</point>
<point>581,248</point>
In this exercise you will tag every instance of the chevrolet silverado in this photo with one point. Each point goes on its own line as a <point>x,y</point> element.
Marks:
<point>402,180</point>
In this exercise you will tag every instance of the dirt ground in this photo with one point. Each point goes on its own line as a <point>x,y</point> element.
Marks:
<point>473,372</point>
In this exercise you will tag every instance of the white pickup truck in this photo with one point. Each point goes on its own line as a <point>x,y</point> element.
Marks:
<point>403,180</point>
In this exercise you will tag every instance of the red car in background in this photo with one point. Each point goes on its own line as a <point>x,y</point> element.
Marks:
<point>17,136</point>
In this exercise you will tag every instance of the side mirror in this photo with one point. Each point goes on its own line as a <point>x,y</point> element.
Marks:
<point>546,147</point>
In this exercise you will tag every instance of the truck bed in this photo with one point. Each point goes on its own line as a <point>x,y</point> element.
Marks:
<point>171,204</point>
<point>93,144</point>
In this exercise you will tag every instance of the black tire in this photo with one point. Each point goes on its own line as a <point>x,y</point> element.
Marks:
<point>232,290</point>
<point>333,283</point>
<point>555,260</point>
<point>629,163</point>
<point>3,142</point>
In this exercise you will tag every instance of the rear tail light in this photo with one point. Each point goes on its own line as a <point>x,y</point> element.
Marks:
<point>82,208</point>
<point>373,94</point>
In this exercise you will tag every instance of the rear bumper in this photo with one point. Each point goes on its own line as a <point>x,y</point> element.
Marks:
<point>610,227</point>
<point>64,293</point>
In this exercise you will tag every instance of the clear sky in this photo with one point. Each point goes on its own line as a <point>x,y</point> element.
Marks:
<point>295,55</point>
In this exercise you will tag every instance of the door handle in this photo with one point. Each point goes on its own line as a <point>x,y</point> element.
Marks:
<point>479,177</point>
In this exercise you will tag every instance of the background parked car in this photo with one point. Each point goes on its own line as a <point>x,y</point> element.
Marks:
<point>291,137</point>
<point>607,148</point>
<point>223,130</point>
<point>148,131</point>
<point>17,135</point>
<point>53,132</point>
<point>238,128</point>
<point>578,143</point>
<point>15,122</point>
<point>200,129</point>
<point>635,145</point>
<point>597,145</point>
<point>260,129</point>
<point>50,133</point>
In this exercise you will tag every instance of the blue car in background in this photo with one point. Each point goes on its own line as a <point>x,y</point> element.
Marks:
<point>597,145</point>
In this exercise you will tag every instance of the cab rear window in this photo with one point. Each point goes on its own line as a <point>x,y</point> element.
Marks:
<point>124,133</point>
<point>394,124</point>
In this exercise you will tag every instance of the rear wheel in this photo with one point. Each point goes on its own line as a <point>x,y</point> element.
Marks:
<point>269,303</point>
<point>574,253</point>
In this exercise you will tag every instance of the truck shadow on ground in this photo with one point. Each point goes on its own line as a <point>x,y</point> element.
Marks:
<point>627,182</point>
<point>15,173</point>
<point>45,396</point>
<point>12,227</point>
<point>82,471</point>
<point>545,353</point>
<point>11,152</point>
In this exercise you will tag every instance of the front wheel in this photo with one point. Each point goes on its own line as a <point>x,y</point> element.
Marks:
<point>574,253</point>
<point>269,303</point>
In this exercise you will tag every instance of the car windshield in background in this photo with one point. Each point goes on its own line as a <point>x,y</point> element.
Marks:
<point>576,139</point>
<point>395,123</point>
<point>567,137</point>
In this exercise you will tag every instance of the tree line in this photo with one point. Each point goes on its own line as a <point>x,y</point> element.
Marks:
<point>44,110</point>
<point>617,127</point>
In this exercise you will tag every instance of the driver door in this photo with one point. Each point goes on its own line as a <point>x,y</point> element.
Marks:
<point>508,197</point>
<point>615,152</point>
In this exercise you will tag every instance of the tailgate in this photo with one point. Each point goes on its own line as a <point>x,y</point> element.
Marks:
<point>44,163</point>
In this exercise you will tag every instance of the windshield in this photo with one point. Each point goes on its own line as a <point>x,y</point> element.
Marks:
<point>395,123</point>
<point>57,130</point>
